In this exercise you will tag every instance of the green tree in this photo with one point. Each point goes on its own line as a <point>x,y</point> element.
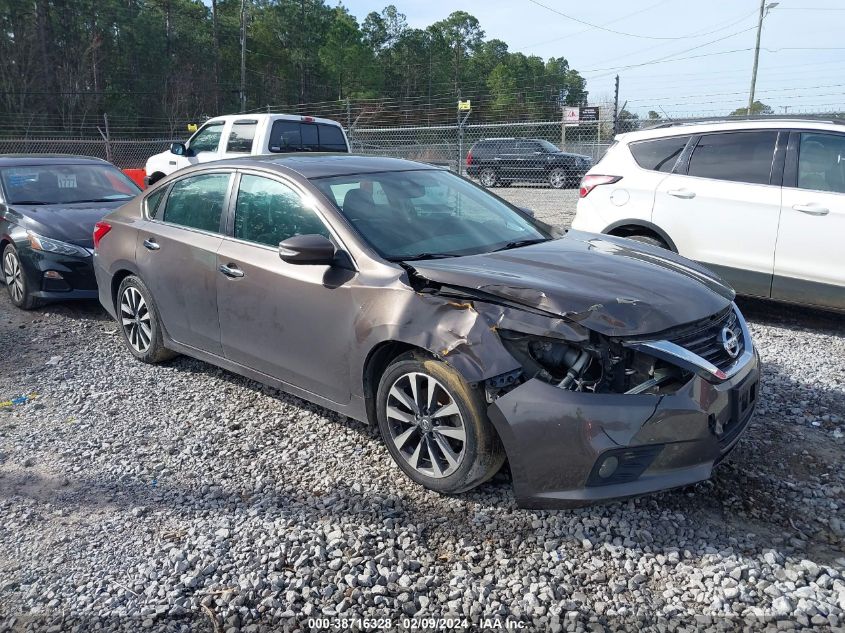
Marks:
<point>758,107</point>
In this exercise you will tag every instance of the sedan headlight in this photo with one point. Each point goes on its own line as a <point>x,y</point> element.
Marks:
<point>48,245</point>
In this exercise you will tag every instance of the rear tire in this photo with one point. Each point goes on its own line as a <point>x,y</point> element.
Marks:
<point>435,426</point>
<point>649,239</point>
<point>558,178</point>
<point>155,178</point>
<point>14,278</point>
<point>140,323</point>
<point>488,177</point>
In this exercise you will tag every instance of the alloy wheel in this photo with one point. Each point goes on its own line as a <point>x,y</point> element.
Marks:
<point>426,425</point>
<point>135,317</point>
<point>488,178</point>
<point>557,178</point>
<point>13,276</point>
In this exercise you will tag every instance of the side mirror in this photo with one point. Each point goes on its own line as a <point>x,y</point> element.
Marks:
<point>307,249</point>
<point>178,149</point>
<point>527,211</point>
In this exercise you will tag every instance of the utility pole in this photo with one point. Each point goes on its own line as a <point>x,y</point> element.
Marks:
<point>616,107</point>
<point>243,55</point>
<point>764,9</point>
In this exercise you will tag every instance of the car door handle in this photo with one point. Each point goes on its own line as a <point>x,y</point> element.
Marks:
<point>230,270</point>
<point>811,209</point>
<point>685,194</point>
<point>151,244</point>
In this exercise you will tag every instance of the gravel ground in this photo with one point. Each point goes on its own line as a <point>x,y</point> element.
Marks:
<point>182,497</point>
<point>554,206</point>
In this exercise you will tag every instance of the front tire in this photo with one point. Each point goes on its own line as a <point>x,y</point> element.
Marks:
<point>435,426</point>
<point>140,322</point>
<point>488,177</point>
<point>15,280</point>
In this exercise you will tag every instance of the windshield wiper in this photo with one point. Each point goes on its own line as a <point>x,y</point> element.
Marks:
<point>31,202</point>
<point>420,256</point>
<point>518,243</point>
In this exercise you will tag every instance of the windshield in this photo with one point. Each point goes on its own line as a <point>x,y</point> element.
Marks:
<point>65,184</point>
<point>406,215</point>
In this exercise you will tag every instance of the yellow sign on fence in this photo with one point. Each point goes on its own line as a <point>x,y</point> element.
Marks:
<point>192,127</point>
<point>464,106</point>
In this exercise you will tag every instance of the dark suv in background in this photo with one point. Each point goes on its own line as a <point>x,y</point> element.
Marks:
<point>501,161</point>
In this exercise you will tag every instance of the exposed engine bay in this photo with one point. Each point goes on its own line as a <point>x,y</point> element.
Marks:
<point>601,365</point>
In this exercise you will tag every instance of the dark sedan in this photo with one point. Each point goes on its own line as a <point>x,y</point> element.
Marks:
<point>502,161</point>
<point>48,208</point>
<point>403,295</point>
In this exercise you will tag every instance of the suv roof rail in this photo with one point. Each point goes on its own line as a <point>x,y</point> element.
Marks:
<point>753,119</point>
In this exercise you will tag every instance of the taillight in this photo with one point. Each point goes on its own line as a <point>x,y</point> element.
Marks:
<point>100,230</point>
<point>469,158</point>
<point>591,181</point>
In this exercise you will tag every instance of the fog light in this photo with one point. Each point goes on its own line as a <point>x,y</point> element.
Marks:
<point>53,274</point>
<point>608,467</point>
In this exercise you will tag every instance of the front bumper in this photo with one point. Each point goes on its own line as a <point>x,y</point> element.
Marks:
<point>75,278</point>
<point>557,441</point>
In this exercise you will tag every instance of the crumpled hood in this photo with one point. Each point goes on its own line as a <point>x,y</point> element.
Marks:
<point>72,223</point>
<point>609,285</point>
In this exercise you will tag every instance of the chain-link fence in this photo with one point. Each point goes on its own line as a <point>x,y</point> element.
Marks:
<point>550,153</point>
<point>518,151</point>
<point>125,153</point>
<point>496,153</point>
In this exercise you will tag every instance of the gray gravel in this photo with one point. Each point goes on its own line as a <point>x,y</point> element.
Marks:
<point>554,206</point>
<point>182,497</point>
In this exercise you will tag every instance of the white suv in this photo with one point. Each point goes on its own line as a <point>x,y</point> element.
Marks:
<point>760,202</point>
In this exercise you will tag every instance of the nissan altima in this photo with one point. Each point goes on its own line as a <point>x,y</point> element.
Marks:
<point>48,208</point>
<point>405,296</point>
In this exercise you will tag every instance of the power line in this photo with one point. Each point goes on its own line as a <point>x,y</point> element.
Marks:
<point>604,28</point>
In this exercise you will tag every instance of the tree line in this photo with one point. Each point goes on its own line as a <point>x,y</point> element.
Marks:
<point>156,63</point>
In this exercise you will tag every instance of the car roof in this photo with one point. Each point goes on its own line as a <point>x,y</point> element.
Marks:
<point>264,116</point>
<point>322,165</point>
<point>685,129</point>
<point>22,160</point>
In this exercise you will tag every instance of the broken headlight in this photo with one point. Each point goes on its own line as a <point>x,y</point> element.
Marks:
<point>599,365</point>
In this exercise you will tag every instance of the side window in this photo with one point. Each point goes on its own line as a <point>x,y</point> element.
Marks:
<point>207,139</point>
<point>268,212</point>
<point>659,154</point>
<point>331,139</point>
<point>241,137</point>
<point>197,202</point>
<point>152,202</point>
<point>526,147</point>
<point>736,156</point>
<point>821,162</point>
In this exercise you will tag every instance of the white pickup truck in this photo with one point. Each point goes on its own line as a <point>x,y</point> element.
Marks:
<point>240,134</point>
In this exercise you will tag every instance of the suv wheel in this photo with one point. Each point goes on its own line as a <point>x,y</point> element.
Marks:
<point>649,239</point>
<point>435,426</point>
<point>558,178</point>
<point>488,177</point>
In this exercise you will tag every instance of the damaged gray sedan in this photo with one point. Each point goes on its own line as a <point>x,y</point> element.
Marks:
<point>402,295</point>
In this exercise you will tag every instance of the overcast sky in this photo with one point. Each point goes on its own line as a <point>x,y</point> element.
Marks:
<point>802,56</point>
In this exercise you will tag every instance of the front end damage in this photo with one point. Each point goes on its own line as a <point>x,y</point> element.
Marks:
<point>589,416</point>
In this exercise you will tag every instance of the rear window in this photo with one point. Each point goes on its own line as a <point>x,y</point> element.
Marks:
<point>735,156</point>
<point>659,154</point>
<point>296,136</point>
